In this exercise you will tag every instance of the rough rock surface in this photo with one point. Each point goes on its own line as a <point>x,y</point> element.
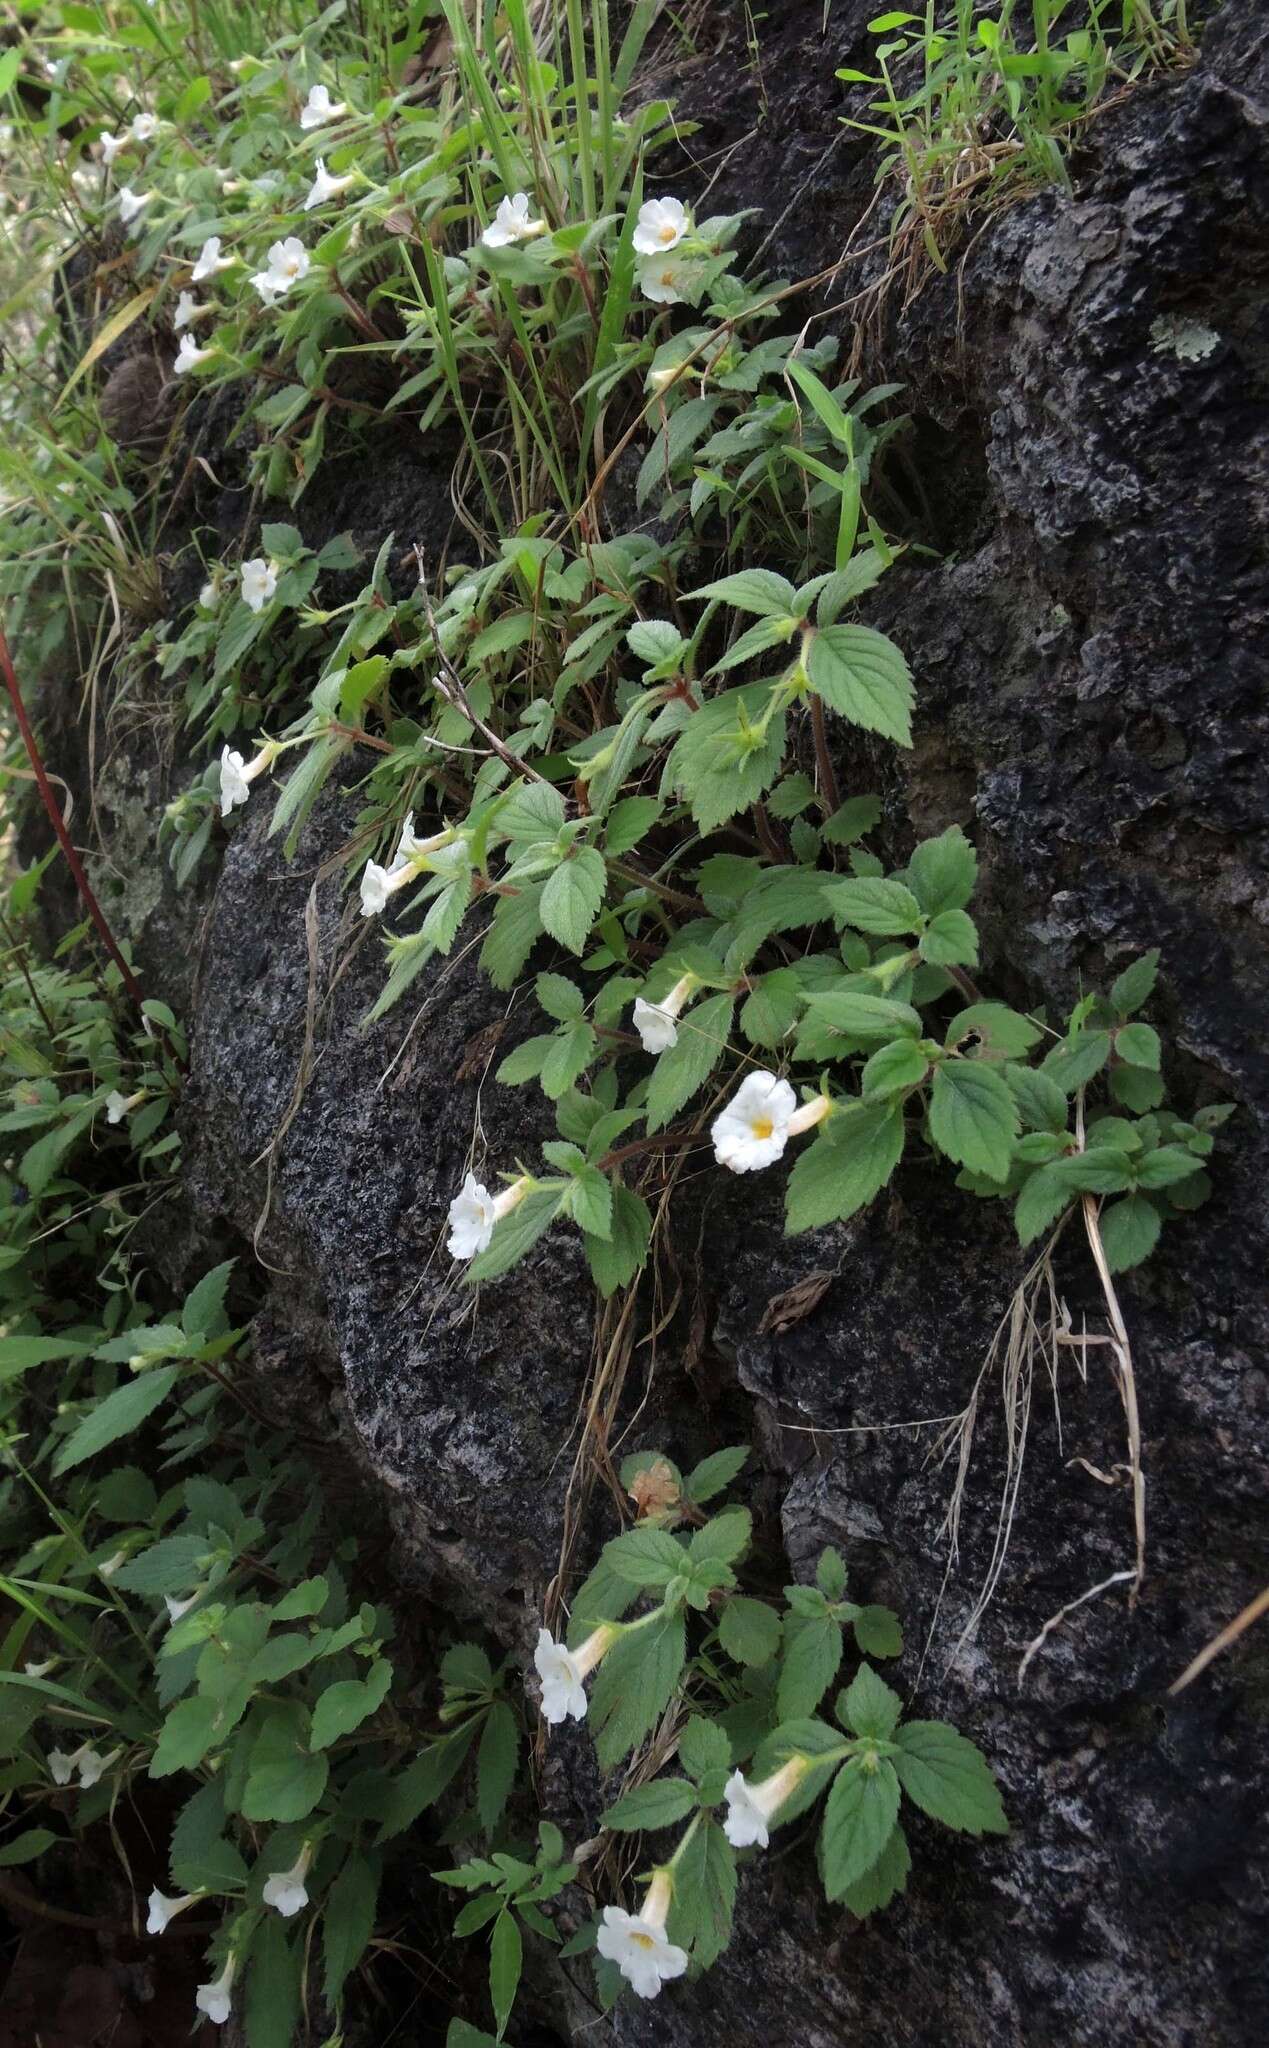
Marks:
<point>1091,661</point>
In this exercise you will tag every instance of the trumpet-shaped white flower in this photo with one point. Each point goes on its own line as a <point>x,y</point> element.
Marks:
<point>92,1764</point>
<point>189,355</point>
<point>119,1106</point>
<point>163,1909</point>
<point>237,775</point>
<point>758,1122</point>
<point>209,260</point>
<point>144,128</point>
<point>209,597</point>
<point>512,223</point>
<point>61,1763</point>
<point>474,1212</point>
<point>41,1671</point>
<point>751,1808</point>
<point>409,860</point>
<point>661,226</point>
<point>288,263</point>
<point>655,1022</point>
<point>131,203</point>
<point>286,1891</point>
<point>111,146</point>
<point>563,1672</point>
<point>188,311</point>
<point>176,1608</point>
<point>259,582</point>
<point>112,1564</point>
<point>325,187</point>
<point>637,1942</point>
<point>319,108</point>
<point>215,1999</point>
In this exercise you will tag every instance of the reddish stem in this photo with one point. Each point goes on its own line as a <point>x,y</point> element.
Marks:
<point>73,861</point>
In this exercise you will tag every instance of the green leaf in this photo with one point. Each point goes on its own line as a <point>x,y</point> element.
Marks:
<point>348,1921</point>
<point>992,1031</point>
<point>1074,1061</point>
<point>1138,1044</point>
<point>24,1848</point>
<point>559,997</point>
<point>1045,1196</point>
<point>864,677</point>
<point>868,1706</point>
<point>859,1816</point>
<point>950,940</point>
<point>118,1415</point>
<point>571,1051</point>
<point>515,925</point>
<point>657,1805</point>
<point>517,1233</point>
<point>1135,985</point>
<point>846,1166</point>
<point>572,896</point>
<point>615,1261</point>
<point>628,822</point>
<point>635,1685</point>
<point>830,1574</point>
<point>887,909</point>
<point>646,1556</point>
<point>753,590</point>
<point>877,1632</point>
<point>346,1704</point>
<point>942,873</point>
<point>860,1015</point>
<point>896,1067</point>
<point>723,1539</point>
<point>714,1473</point>
<point>273,1986</point>
<point>703,1747</point>
<point>703,1035</point>
<point>1041,1103</point>
<point>888,1877</point>
<point>199,1857</point>
<point>506,1954</point>
<point>708,1881</point>
<point>857,816</point>
<point>423,1783</point>
<point>284,1780</point>
<point>749,1631</point>
<point>725,756</point>
<point>189,1731</point>
<point>591,1202</point>
<point>1130,1231</point>
<point>948,1778</point>
<point>973,1117</point>
<point>496,1761</point>
<point>812,1654</point>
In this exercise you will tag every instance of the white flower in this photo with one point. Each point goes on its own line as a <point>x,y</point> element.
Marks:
<point>131,203</point>
<point>209,597</point>
<point>287,1891</point>
<point>471,1213</point>
<point>111,146</point>
<point>116,1107</point>
<point>563,1671</point>
<point>319,107</point>
<point>176,1608</point>
<point>474,1211</point>
<point>92,1763</point>
<point>750,1808</point>
<point>758,1122</point>
<point>563,1692</point>
<point>210,260</point>
<point>325,187</point>
<point>409,860</point>
<point>237,775</point>
<point>188,311</point>
<point>214,1999</point>
<point>288,263</point>
<point>511,223</point>
<point>144,128</point>
<point>668,278</point>
<point>637,1942</point>
<point>655,1023</point>
<point>112,1564</point>
<point>189,355</point>
<point>61,1764</point>
<point>754,1128</point>
<point>259,582</point>
<point>42,1671</point>
<point>164,1909</point>
<point>661,225</point>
